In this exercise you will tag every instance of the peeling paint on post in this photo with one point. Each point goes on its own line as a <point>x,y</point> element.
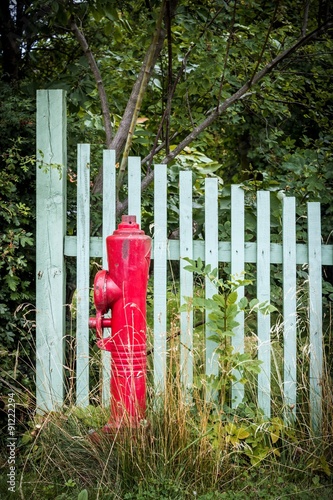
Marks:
<point>50,232</point>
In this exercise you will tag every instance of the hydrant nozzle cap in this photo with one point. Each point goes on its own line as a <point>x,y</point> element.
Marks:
<point>128,221</point>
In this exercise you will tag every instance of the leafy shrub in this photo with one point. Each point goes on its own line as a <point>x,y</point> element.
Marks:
<point>17,220</point>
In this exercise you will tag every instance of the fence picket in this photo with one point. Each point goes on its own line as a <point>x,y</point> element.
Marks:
<point>263,295</point>
<point>315,314</point>
<point>237,268</point>
<point>212,258</point>
<point>108,226</point>
<point>160,277</point>
<point>82,279</point>
<point>134,187</point>
<point>289,305</point>
<point>186,278</point>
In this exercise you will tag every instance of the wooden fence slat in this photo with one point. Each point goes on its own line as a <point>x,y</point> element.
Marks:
<point>82,278</point>
<point>51,180</point>
<point>211,257</point>
<point>289,305</point>
<point>108,226</point>
<point>315,315</point>
<point>134,187</point>
<point>263,294</point>
<point>160,277</point>
<point>186,278</point>
<point>237,268</point>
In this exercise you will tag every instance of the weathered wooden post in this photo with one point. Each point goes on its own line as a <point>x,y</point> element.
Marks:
<point>315,315</point>
<point>50,232</point>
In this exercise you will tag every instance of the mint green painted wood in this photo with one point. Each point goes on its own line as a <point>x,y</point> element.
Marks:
<point>186,278</point>
<point>134,187</point>
<point>82,280</point>
<point>109,225</point>
<point>237,271</point>
<point>95,246</point>
<point>263,294</point>
<point>289,306</point>
<point>50,231</point>
<point>315,315</point>
<point>224,251</point>
<point>211,257</point>
<point>109,200</point>
<point>160,277</point>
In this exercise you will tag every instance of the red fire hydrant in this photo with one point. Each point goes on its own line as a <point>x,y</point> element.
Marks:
<point>123,289</point>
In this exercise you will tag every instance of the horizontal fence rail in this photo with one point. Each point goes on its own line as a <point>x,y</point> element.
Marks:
<point>237,252</point>
<point>96,249</point>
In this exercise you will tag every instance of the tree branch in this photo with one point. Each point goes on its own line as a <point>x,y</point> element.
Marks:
<point>171,92</point>
<point>229,101</point>
<point>265,42</point>
<point>120,137</point>
<point>240,93</point>
<point>227,51</point>
<point>305,17</point>
<point>146,73</point>
<point>98,78</point>
<point>167,111</point>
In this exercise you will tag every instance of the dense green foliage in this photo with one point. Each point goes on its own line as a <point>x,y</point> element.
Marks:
<point>17,216</point>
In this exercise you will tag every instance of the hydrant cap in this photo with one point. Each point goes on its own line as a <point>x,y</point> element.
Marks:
<point>128,222</point>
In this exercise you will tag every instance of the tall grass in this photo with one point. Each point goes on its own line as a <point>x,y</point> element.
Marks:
<point>186,448</point>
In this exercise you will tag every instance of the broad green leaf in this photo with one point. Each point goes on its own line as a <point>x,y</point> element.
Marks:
<point>231,428</point>
<point>275,436</point>
<point>232,298</point>
<point>83,495</point>
<point>214,338</point>
<point>243,303</point>
<point>242,433</point>
<point>254,303</point>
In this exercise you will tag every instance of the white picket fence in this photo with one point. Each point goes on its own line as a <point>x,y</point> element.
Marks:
<point>53,244</point>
